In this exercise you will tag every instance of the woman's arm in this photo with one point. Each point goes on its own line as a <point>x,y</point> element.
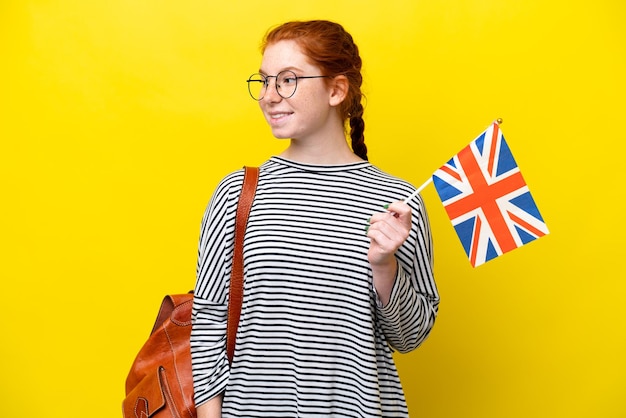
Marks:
<point>387,231</point>
<point>211,408</point>
<point>407,293</point>
<point>210,307</point>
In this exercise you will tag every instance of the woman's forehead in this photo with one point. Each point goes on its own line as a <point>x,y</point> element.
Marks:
<point>284,55</point>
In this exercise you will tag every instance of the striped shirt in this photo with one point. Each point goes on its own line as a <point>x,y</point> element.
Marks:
<point>313,338</point>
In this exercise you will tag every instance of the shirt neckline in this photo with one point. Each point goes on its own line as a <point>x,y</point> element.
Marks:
<point>320,167</point>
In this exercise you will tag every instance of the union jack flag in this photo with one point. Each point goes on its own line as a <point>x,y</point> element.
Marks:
<point>487,199</point>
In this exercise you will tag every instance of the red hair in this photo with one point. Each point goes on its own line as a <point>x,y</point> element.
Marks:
<point>331,48</point>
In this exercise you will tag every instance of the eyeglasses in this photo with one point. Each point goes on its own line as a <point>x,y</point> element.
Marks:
<point>286,83</point>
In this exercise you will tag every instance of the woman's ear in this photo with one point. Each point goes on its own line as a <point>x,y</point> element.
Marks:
<point>338,90</point>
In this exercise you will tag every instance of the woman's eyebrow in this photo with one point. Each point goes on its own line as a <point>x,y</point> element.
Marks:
<point>290,68</point>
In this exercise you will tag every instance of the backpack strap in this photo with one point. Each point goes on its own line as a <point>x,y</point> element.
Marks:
<point>248,190</point>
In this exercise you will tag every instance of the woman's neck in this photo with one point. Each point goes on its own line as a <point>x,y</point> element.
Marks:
<point>322,152</point>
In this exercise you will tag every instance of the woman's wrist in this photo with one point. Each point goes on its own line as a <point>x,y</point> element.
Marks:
<point>384,276</point>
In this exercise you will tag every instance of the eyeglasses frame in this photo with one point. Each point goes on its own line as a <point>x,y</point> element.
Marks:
<point>267,83</point>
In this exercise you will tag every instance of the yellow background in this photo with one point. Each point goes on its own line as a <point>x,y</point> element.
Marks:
<point>118,118</point>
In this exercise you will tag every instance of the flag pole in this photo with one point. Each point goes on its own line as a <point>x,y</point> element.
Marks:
<point>418,190</point>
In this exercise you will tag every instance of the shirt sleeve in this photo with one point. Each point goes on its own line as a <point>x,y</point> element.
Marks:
<point>209,362</point>
<point>409,316</point>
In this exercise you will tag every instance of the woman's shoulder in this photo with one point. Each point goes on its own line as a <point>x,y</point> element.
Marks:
<point>378,174</point>
<point>397,186</point>
<point>230,184</point>
<point>231,178</point>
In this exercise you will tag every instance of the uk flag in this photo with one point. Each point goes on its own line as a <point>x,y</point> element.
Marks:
<point>487,199</point>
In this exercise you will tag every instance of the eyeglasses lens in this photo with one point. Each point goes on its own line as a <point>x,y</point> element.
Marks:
<point>286,82</point>
<point>256,86</point>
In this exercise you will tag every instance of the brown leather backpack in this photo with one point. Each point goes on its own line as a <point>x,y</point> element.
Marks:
<point>160,382</point>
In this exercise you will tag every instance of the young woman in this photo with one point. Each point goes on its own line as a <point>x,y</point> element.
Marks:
<point>338,270</point>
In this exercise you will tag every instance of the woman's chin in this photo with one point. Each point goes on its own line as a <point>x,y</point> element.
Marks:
<point>280,135</point>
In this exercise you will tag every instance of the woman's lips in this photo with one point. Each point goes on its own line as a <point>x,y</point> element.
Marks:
<point>276,118</point>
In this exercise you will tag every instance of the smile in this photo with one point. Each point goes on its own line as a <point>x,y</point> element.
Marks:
<point>279,117</point>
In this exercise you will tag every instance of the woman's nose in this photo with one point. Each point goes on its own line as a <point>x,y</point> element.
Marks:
<point>271,92</point>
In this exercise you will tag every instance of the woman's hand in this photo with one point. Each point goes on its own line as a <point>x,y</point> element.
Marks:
<point>387,232</point>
